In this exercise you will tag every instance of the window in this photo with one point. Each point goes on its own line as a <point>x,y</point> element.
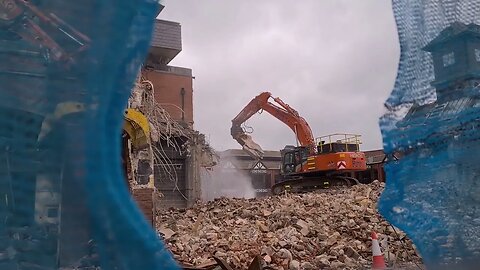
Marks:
<point>289,158</point>
<point>448,59</point>
<point>477,55</point>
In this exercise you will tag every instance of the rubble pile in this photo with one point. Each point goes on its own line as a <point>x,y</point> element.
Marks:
<point>328,229</point>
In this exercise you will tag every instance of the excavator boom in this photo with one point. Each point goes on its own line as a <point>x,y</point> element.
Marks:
<point>282,112</point>
<point>238,133</point>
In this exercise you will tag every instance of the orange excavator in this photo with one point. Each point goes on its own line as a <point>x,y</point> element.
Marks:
<point>314,163</point>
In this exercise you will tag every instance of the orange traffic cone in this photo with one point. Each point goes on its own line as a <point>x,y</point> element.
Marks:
<point>377,256</point>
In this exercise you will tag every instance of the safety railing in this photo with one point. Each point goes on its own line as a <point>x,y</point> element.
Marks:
<point>338,142</point>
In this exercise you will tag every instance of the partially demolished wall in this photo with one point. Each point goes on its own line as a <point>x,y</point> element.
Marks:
<point>178,153</point>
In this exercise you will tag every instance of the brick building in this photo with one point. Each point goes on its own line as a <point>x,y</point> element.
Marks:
<point>173,85</point>
<point>177,176</point>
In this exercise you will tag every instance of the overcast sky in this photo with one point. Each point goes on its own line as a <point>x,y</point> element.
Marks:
<point>334,61</point>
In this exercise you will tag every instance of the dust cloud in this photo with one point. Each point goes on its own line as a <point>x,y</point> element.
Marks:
<point>226,181</point>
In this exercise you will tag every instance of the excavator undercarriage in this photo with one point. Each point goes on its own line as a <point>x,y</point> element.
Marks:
<point>300,184</point>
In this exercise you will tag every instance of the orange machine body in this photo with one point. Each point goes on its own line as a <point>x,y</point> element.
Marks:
<point>341,162</point>
<point>334,154</point>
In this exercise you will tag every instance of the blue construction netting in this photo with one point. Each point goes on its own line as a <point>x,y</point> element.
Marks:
<point>67,69</point>
<point>431,132</point>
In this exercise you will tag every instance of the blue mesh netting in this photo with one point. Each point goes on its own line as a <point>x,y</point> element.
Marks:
<point>431,133</point>
<point>63,198</point>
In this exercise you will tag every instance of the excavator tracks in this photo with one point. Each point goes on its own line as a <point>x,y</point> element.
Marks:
<point>304,184</point>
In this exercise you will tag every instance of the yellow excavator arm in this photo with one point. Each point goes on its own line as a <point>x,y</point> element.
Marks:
<point>138,129</point>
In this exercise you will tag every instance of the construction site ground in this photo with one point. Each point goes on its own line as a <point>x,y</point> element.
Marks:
<point>327,229</point>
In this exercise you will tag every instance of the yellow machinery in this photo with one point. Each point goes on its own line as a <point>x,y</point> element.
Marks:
<point>138,129</point>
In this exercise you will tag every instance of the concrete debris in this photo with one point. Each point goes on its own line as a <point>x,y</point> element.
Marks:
<point>267,259</point>
<point>167,234</point>
<point>294,265</point>
<point>169,140</point>
<point>222,263</point>
<point>327,229</point>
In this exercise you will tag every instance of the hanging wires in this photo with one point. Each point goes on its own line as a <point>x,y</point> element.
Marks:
<point>165,132</point>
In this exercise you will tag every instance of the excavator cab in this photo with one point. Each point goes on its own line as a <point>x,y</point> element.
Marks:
<point>293,158</point>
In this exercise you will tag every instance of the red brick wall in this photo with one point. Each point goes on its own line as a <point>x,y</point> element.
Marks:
<point>144,199</point>
<point>168,92</point>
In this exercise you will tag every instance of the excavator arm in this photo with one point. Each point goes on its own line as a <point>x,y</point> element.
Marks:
<point>26,20</point>
<point>282,112</point>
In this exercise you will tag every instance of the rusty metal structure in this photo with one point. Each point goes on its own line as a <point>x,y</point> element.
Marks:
<point>23,19</point>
